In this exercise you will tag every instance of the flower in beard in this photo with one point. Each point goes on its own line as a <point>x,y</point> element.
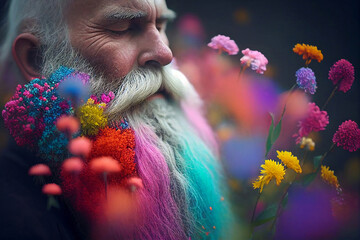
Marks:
<point>305,79</point>
<point>92,118</point>
<point>120,145</point>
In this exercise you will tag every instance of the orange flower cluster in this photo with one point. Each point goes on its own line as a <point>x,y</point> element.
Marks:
<point>308,52</point>
<point>118,144</point>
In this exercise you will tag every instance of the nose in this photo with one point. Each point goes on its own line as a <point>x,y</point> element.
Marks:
<point>154,49</point>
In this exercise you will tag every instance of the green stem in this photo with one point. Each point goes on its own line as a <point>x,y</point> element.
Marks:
<point>279,206</point>
<point>324,155</point>
<point>330,97</point>
<point>253,214</point>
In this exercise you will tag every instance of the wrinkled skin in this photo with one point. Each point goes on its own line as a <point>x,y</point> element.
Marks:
<point>116,36</point>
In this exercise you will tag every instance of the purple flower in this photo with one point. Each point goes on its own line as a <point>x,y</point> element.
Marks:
<point>224,43</point>
<point>342,74</point>
<point>255,59</point>
<point>348,136</point>
<point>305,79</point>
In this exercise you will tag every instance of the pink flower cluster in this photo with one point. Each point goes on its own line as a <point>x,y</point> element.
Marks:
<point>224,43</point>
<point>104,98</point>
<point>255,59</point>
<point>316,120</point>
<point>342,73</point>
<point>25,128</point>
<point>348,136</point>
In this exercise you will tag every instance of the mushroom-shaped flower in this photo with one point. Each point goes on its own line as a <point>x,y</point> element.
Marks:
<point>80,146</point>
<point>68,124</point>
<point>105,165</point>
<point>73,165</point>
<point>51,189</point>
<point>39,170</point>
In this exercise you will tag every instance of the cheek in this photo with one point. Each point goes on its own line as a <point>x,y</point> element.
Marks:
<point>115,60</point>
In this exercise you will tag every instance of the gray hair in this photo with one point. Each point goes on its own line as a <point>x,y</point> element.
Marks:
<point>43,18</point>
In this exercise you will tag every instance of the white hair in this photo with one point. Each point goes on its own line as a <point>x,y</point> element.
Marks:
<point>43,18</point>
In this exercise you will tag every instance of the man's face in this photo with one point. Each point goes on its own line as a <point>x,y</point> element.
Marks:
<point>117,36</point>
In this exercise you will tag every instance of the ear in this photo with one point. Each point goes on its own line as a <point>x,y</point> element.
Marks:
<point>25,51</point>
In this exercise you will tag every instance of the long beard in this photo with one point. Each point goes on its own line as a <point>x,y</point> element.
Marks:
<point>179,172</point>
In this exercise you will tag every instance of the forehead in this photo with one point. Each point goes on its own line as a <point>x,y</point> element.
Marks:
<point>96,8</point>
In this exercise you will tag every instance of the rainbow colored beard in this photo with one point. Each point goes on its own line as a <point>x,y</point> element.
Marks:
<point>182,178</point>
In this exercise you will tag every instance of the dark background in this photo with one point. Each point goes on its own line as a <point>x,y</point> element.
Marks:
<point>274,27</point>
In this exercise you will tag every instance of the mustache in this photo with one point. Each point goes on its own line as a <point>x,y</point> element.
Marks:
<point>135,88</point>
<point>140,84</point>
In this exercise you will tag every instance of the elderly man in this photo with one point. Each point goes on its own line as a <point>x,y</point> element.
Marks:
<point>123,46</point>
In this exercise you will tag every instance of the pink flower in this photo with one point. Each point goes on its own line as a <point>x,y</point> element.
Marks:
<point>348,136</point>
<point>342,73</point>
<point>39,170</point>
<point>316,120</point>
<point>73,165</point>
<point>80,146</point>
<point>135,183</point>
<point>255,59</point>
<point>224,43</point>
<point>105,165</point>
<point>51,189</point>
<point>68,124</point>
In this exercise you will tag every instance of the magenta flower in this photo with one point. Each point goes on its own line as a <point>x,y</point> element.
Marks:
<point>224,43</point>
<point>316,120</point>
<point>255,59</point>
<point>348,136</point>
<point>342,74</point>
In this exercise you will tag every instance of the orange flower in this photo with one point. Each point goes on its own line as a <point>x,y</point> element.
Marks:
<point>73,165</point>
<point>80,146</point>
<point>105,165</point>
<point>51,189</point>
<point>39,170</point>
<point>308,52</point>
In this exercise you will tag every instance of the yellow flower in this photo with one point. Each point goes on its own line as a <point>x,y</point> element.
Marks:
<point>329,177</point>
<point>308,52</point>
<point>271,170</point>
<point>289,160</point>
<point>92,118</point>
<point>307,142</point>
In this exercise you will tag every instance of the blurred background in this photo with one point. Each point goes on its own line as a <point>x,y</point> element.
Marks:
<point>238,109</point>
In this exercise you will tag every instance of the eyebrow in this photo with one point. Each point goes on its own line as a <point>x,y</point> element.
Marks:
<point>129,14</point>
<point>123,13</point>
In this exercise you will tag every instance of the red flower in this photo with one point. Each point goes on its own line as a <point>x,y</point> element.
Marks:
<point>117,144</point>
<point>348,136</point>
